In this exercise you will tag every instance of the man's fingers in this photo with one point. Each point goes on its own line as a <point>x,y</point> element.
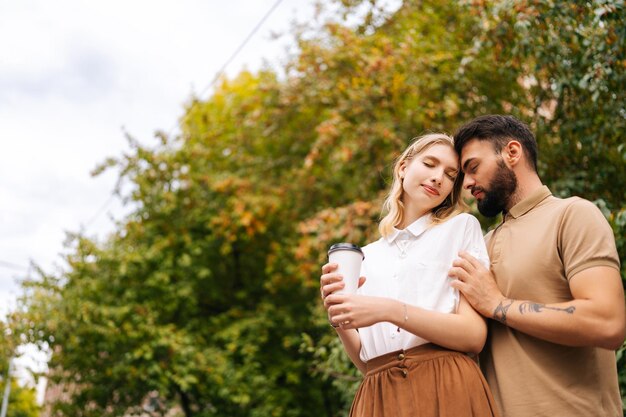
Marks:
<point>471,259</point>
<point>458,273</point>
<point>464,264</point>
<point>458,285</point>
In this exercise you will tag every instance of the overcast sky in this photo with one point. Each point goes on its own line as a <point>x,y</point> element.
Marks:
<point>75,74</point>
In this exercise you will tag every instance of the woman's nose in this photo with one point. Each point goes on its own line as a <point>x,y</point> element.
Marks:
<point>437,177</point>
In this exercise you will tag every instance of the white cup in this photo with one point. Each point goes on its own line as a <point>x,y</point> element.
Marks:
<point>348,257</point>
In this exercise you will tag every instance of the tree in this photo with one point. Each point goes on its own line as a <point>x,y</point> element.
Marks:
<point>571,58</point>
<point>207,295</point>
<point>22,401</point>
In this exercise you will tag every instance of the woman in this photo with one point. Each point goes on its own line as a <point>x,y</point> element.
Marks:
<point>414,329</point>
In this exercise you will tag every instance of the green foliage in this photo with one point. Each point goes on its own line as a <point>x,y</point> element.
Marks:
<point>22,401</point>
<point>206,298</point>
<point>572,58</point>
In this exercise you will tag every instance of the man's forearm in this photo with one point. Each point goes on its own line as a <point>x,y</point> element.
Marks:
<point>573,323</point>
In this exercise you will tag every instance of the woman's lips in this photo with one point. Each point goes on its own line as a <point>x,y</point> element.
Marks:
<point>431,190</point>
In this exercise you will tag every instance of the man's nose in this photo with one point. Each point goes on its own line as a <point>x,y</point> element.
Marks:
<point>468,182</point>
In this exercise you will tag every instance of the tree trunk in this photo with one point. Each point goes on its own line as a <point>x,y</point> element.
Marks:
<point>184,403</point>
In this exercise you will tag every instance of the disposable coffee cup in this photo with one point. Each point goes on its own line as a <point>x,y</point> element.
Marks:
<point>349,258</point>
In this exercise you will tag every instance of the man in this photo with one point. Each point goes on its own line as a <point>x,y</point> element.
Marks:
<point>554,291</point>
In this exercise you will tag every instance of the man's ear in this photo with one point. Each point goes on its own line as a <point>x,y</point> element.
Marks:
<point>512,153</point>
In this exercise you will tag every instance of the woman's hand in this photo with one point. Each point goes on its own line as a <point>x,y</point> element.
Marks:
<point>353,311</point>
<point>330,281</point>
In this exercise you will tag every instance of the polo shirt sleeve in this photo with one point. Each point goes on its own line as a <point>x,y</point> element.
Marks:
<point>585,239</point>
<point>474,242</point>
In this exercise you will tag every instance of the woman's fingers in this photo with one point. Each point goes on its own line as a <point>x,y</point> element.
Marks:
<point>344,320</point>
<point>336,304</point>
<point>329,267</point>
<point>330,281</point>
<point>330,278</point>
<point>328,289</point>
<point>332,300</point>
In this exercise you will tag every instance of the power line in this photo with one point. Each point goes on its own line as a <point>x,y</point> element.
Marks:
<point>100,210</point>
<point>219,73</point>
<point>11,265</point>
<point>232,57</point>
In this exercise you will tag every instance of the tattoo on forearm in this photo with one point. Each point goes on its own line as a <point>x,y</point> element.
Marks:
<point>528,307</point>
<point>500,312</point>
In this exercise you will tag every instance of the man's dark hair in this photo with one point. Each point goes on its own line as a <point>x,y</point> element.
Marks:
<point>499,130</point>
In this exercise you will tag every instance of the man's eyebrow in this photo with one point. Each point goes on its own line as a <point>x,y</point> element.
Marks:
<point>466,163</point>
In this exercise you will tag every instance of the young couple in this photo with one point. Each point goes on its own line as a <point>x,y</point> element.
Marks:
<point>547,279</point>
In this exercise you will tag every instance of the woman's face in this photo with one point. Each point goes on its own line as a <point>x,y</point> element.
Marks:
<point>428,178</point>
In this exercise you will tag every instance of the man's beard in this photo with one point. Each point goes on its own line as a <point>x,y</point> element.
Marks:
<point>501,188</point>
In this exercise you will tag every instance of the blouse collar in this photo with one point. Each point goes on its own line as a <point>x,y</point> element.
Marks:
<point>415,229</point>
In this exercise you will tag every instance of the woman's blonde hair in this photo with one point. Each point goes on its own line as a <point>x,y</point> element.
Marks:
<point>393,206</point>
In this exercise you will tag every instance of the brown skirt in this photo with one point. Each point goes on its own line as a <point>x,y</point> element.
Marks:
<point>424,381</point>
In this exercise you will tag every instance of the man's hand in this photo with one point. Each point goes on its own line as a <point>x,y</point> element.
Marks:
<point>479,287</point>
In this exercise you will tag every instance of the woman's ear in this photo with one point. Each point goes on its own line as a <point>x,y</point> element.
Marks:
<point>402,170</point>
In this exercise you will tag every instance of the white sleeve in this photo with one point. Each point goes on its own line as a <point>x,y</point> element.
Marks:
<point>474,242</point>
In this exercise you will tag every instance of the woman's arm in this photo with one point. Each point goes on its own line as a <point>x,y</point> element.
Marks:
<point>465,331</point>
<point>352,346</point>
<point>331,281</point>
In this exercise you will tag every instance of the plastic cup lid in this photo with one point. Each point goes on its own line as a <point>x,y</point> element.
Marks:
<point>345,246</point>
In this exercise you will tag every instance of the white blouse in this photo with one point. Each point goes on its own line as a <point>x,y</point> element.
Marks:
<point>411,266</point>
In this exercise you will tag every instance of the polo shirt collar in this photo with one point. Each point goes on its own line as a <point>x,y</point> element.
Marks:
<point>415,229</point>
<point>529,202</point>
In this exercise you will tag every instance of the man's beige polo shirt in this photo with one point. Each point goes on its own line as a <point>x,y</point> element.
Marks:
<point>542,243</point>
